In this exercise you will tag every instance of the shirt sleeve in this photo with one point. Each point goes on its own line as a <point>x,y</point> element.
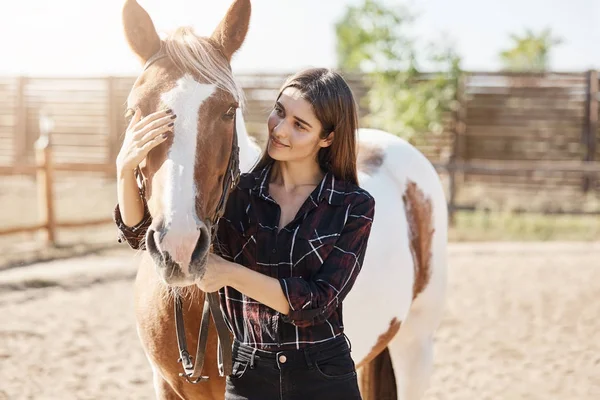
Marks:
<point>134,236</point>
<point>313,301</point>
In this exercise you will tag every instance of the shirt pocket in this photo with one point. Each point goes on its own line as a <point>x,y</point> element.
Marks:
<point>241,239</point>
<point>314,244</point>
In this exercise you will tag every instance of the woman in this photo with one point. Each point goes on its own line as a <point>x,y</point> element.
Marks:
<point>290,246</point>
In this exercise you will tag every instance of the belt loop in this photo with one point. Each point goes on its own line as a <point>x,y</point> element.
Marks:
<point>308,359</point>
<point>252,358</point>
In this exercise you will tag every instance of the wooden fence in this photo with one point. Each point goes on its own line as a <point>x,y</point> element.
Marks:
<point>88,115</point>
<point>515,134</point>
<point>550,117</point>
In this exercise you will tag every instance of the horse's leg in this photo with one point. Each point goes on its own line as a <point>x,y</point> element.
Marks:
<point>163,390</point>
<point>413,366</point>
<point>411,350</point>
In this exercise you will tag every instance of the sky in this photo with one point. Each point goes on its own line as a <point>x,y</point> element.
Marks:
<point>84,37</point>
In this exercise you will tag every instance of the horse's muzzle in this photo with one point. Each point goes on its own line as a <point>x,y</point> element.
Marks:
<point>180,258</point>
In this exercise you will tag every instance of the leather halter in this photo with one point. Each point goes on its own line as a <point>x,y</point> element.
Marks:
<point>191,372</point>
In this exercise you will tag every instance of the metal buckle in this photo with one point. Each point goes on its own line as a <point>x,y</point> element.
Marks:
<point>188,367</point>
<point>193,381</point>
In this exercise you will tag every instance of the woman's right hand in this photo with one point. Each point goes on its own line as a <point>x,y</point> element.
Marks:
<point>143,135</point>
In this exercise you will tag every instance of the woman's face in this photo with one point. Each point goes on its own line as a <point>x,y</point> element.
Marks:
<point>294,130</point>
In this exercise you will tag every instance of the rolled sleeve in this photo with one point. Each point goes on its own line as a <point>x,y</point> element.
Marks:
<point>134,236</point>
<point>313,301</point>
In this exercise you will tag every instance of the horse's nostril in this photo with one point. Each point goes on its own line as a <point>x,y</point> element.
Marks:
<point>202,246</point>
<point>157,238</point>
<point>179,249</point>
<point>152,245</point>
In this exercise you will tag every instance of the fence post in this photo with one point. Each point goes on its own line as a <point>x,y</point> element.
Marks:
<point>457,150</point>
<point>591,125</point>
<point>112,121</point>
<point>20,127</point>
<point>45,180</point>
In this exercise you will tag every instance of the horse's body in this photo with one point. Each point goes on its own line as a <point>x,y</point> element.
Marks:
<point>396,303</point>
<point>403,280</point>
<point>397,265</point>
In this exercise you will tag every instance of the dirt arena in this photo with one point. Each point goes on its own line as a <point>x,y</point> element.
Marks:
<point>522,322</point>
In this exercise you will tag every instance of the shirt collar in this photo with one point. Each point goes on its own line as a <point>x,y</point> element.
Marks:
<point>330,188</point>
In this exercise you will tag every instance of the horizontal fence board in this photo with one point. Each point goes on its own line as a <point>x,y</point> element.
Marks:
<point>528,114</point>
<point>509,101</point>
<point>8,120</point>
<point>82,103</point>
<point>6,145</point>
<point>524,132</point>
<point>74,110</point>
<point>65,129</point>
<point>509,116</point>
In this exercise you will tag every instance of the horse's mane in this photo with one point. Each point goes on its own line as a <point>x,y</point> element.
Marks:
<point>196,55</point>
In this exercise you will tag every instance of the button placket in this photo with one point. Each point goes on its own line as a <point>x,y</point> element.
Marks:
<point>273,259</point>
<point>274,272</point>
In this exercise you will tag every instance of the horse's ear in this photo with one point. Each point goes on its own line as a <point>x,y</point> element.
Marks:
<point>231,32</point>
<point>139,31</point>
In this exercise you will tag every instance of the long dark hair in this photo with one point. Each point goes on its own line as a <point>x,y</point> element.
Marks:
<point>334,106</point>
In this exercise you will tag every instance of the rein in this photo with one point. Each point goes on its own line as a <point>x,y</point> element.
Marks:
<point>191,371</point>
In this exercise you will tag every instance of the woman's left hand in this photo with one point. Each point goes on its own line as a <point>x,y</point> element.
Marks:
<point>215,274</point>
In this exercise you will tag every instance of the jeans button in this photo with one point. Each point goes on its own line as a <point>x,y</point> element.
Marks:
<point>274,251</point>
<point>282,359</point>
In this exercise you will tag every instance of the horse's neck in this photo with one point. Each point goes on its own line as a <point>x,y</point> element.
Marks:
<point>249,150</point>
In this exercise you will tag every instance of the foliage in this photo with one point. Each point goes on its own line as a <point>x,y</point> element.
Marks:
<point>375,39</point>
<point>530,52</point>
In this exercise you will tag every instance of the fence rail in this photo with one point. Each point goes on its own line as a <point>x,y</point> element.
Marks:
<point>510,132</point>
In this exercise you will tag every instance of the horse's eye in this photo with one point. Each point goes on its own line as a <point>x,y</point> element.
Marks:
<point>230,112</point>
<point>129,114</point>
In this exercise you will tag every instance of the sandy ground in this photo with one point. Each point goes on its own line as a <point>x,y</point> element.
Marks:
<point>521,323</point>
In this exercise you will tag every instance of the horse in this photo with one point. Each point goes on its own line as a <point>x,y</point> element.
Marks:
<point>395,306</point>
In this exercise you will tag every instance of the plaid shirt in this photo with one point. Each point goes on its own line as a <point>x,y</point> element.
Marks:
<point>316,258</point>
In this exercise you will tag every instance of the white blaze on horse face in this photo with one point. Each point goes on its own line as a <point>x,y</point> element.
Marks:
<point>179,201</point>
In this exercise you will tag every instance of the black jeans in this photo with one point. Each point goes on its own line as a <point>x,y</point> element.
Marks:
<point>322,371</point>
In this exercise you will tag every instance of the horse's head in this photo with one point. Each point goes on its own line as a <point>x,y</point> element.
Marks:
<point>184,176</point>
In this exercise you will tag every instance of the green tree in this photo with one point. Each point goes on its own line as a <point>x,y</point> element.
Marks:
<point>375,39</point>
<point>530,52</point>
